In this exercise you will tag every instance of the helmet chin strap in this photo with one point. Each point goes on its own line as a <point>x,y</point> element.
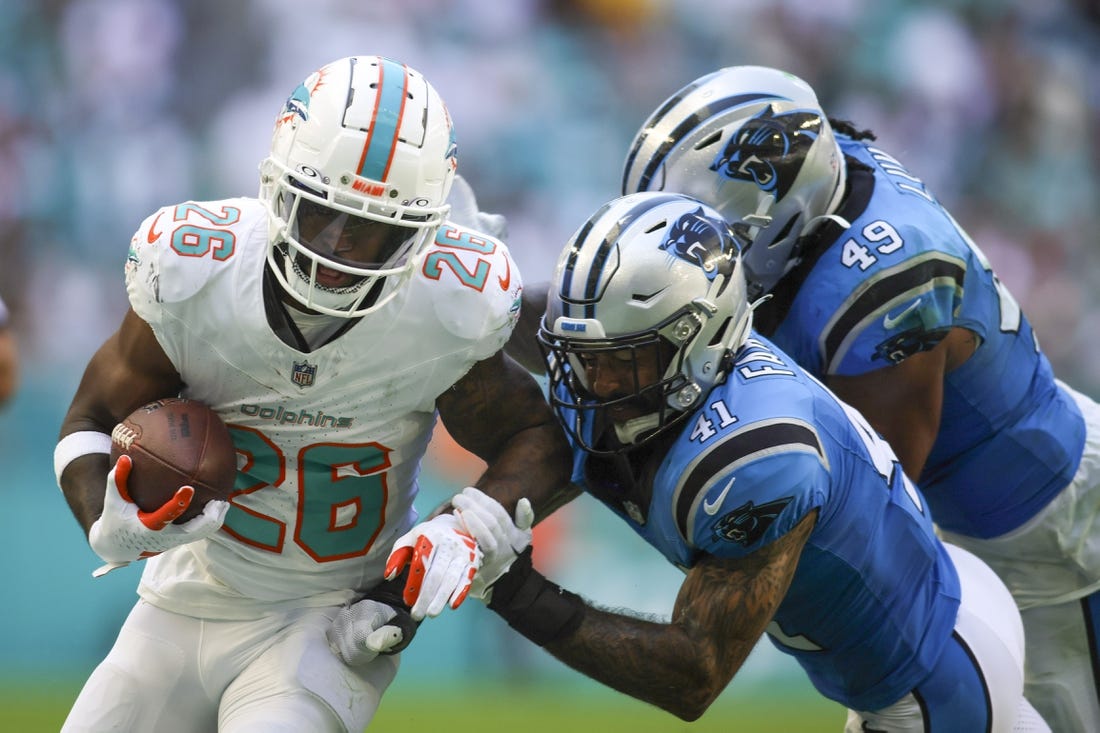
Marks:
<point>834,203</point>
<point>829,215</point>
<point>336,299</point>
<point>628,432</point>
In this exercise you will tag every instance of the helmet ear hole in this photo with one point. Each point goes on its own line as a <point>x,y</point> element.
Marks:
<point>706,142</point>
<point>783,236</point>
<point>720,335</point>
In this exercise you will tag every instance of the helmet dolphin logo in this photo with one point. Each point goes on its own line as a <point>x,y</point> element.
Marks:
<point>698,239</point>
<point>769,149</point>
<point>296,105</point>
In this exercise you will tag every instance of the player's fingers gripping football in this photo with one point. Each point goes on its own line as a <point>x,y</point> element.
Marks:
<point>119,498</point>
<point>442,560</point>
<point>501,537</point>
<point>123,533</point>
<point>170,511</point>
<point>362,631</point>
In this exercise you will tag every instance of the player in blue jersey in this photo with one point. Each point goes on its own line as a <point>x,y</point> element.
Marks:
<point>877,291</point>
<point>787,513</point>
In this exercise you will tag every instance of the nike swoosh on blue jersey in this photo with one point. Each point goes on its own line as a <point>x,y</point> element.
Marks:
<point>889,323</point>
<point>710,507</point>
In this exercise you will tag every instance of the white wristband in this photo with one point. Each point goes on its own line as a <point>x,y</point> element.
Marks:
<point>75,445</point>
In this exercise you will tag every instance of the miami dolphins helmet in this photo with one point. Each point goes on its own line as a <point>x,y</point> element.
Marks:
<point>362,160</point>
<point>654,271</point>
<point>753,143</point>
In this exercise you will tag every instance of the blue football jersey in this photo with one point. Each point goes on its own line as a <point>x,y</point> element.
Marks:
<point>874,597</point>
<point>893,284</point>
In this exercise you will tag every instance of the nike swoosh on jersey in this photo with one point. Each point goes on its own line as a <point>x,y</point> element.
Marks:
<point>507,279</point>
<point>153,234</point>
<point>890,323</point>
<point>710,507</point>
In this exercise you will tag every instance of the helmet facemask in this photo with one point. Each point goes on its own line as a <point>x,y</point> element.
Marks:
<point>333,260</point>
<point>646,353</point>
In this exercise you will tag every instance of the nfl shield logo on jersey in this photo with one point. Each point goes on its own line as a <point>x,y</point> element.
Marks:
<point>303,374</point>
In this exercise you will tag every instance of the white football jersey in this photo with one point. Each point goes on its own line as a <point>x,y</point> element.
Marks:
<point>329,442</point>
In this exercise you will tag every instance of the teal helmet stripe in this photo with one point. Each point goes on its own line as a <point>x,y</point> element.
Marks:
<point>389,106</point>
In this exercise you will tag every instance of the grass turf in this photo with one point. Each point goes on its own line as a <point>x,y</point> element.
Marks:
<point>416,706</point>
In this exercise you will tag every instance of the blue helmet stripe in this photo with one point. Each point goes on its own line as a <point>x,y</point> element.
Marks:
<point>385,122</point>
<point>599,258</point>
<point>682,130</point>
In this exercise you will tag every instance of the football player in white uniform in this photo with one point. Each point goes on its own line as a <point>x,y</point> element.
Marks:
<point>327,322</point>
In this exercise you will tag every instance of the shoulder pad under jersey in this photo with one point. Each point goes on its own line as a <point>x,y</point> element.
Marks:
<point>730,498</point>
<point>179,248</point>
<point>889,286</point>
<point>475,286</point>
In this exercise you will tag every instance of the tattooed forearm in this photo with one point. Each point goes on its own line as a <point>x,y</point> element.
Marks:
<point>722,610</point>
<point>654,662</point>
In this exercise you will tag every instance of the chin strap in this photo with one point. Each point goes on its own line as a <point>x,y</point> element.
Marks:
<point>628,432</point>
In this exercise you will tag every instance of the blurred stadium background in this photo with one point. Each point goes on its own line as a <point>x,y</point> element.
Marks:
<point>114,107</point>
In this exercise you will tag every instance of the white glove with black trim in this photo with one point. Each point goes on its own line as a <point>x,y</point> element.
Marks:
<point>124,533</point>
<point>501,538</point>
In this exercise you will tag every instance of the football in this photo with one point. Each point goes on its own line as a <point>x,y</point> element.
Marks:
<point>175,442</point>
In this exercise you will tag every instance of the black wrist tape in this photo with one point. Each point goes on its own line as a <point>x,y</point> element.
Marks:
<point>391,592</point>
<point>538,608</point>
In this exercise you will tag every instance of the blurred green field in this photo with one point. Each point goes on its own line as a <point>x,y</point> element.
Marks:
<point>489,707</point>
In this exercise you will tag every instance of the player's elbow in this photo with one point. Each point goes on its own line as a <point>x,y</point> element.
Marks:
<point>694,698</point>
<point>690,708</point>
<point>688,715</point>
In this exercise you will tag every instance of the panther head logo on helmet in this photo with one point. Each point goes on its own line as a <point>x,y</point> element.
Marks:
<point>769,150</point>
<point>697,238</point>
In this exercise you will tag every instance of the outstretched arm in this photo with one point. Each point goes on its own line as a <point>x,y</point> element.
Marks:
<point>681,666</point>
<point>497,412</point>
<point>720,613</point>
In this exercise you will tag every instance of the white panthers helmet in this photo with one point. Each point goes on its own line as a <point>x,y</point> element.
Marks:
<point>646,269</point>
<point>752,142</point>
<point>362,160</point>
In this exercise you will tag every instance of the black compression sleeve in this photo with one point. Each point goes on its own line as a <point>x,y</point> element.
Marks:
<point>538,608</point>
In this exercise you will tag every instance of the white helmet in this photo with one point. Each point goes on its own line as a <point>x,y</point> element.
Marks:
<point>752,142</point>
<point>646,269</point>
<point>362,159</point>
